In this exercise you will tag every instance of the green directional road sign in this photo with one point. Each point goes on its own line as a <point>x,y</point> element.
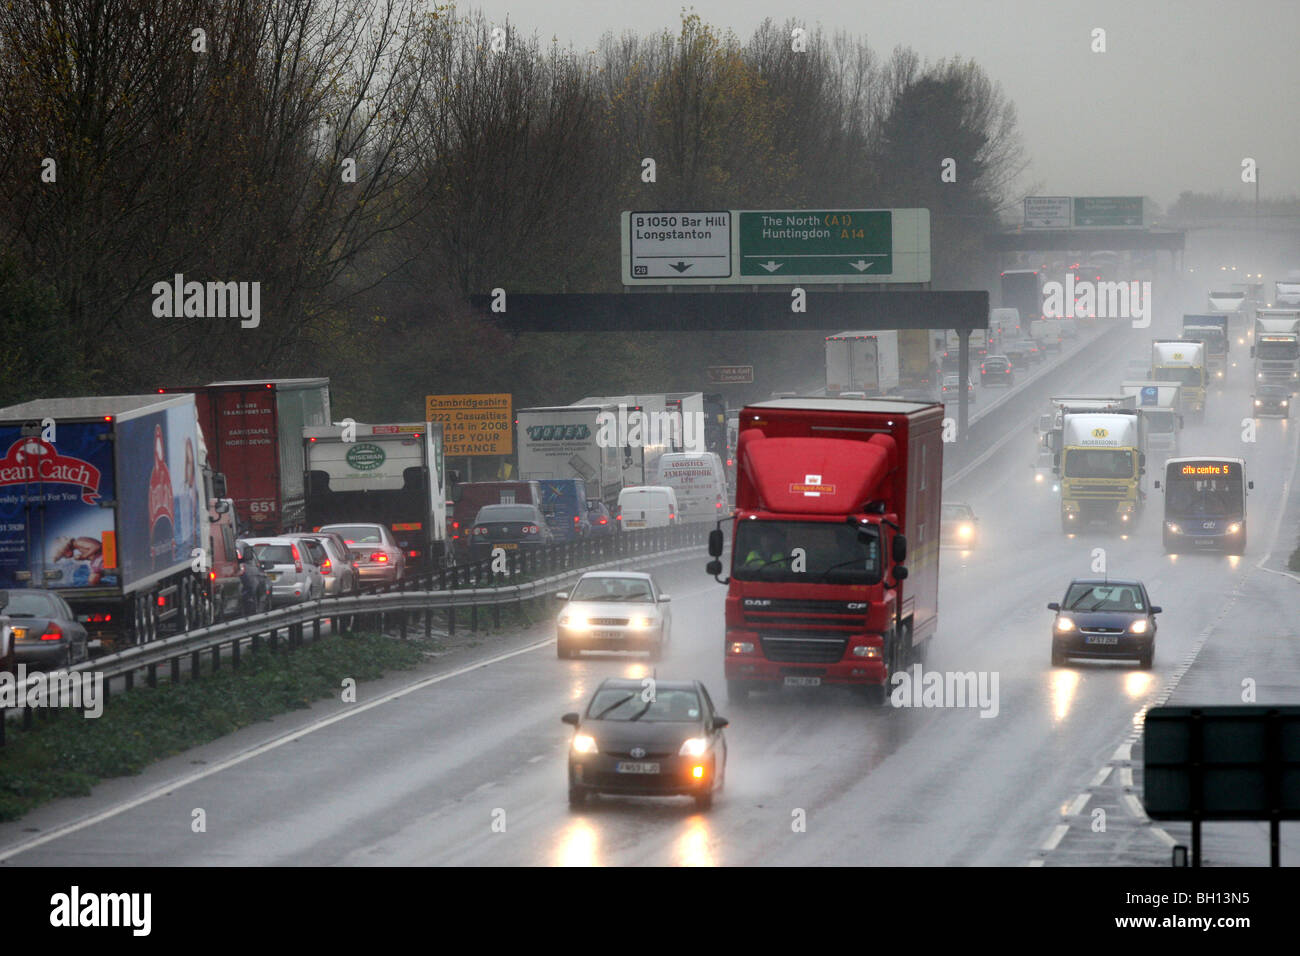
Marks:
<point>1108,212</point>
<point>849,243</point>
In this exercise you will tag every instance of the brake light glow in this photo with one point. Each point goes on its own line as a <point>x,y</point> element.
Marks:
<point>326,567</point>
<point>297,559</point>
<point>52,633</point>
<point>379,556</point>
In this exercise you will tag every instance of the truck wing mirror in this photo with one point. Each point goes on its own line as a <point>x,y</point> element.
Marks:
<point>715,543</point>
<point>1157,484</point>
<point>900,551</point>
<point>713,568</point>
<point>1250,485</point>
<point>900,573</point>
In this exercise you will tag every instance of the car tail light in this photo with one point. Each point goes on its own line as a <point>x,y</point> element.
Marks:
<point>326,567</point>
<point>52,633</point>
<point>162,601</point>
<point>531,529</point>
<point>297,559</point>
<point>98,618</point>
<point>413,554</point>
<point>602,521</point>
<point>379,556</point>
<point>212,575</point>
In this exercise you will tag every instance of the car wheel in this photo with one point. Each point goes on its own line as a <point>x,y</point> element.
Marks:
<point>704,801</point>
<point>737,691</point>
<point>563,651</point>
<point>577,796</point>
<point>656,650</point>
<point>876,695</point>
<point>1145,661</point>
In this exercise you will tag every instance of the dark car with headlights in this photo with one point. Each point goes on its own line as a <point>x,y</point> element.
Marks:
<point>46,632</point>
<point>648,737</point>
<point>1102,618</point>
<point>1272,401</point>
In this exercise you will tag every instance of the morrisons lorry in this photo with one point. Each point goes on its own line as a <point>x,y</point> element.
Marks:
<point>392,475</point>
<point>107,501</point>
<point>1182,361</point>
<point>862,362</point>
<point>255,439</point>
<point>1212,330</point>
<point>576,441</point>
<point>1277,347</point>
<point>1161,404</point>
<point>833,496</point>
<point>1101,463</point>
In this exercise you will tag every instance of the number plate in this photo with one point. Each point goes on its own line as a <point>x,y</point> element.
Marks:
<point>1101,638</point>
<point>636,524</point>
<point>802,681</point>
<point>607,635</point>
<point>273,575</point>
<point>627,767</point>
<point>508,545</point>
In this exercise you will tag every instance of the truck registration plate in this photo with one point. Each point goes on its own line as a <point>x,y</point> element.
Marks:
<point>1101,638</point>
<point>627,767</point>
<point>802,681</point>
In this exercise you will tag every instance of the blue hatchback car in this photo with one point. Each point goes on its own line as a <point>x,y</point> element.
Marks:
<point>1107,619</point>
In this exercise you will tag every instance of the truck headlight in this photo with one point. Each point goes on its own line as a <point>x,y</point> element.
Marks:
<point>740,647</point>
<point>1064,624</point>
<point>866,650</point>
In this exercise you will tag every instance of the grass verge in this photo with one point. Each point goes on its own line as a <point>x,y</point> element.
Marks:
<point>67,755</point>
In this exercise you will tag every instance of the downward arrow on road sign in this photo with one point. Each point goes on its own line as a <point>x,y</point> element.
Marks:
<point>680,266</point>
<point>771,266</point>
<point>861,265</point>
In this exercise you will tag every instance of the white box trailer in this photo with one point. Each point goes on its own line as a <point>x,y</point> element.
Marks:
<point>573,441</point>
<point>1161,405</point>
<point>862,362</point>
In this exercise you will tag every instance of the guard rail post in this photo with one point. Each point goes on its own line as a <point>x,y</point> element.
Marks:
<point>27,717</point>
<point>152,676</point>
<point>175,663</point>
<point>315,627</point>
<point>234,653</point>
<point>196,665</point>
<point>216,658</point>
<point>129,680</point>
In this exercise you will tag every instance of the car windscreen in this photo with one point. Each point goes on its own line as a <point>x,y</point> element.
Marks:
<point>504,513</point>
<point>627,703</point>
<point>359,534</point>
<point>612,589</point>
<point>805,551</point>
<point>1103,597</point>
<point>955,512</point>
<point>30,605</point>
<point>275,553</point>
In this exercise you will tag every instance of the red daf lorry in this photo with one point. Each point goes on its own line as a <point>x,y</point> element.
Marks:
<point>835,543</point>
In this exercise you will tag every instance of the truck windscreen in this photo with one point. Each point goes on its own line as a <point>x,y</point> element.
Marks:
<point>1187,376</point>
<point>831,553</point>
<point>1098,463</point>
<point>1159,420</point>
<point>1284,350</point>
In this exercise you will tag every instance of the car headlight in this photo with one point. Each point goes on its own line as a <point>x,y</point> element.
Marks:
<point>584,744</point>
<point>965,531</point>
<point>1173,526</point>
<point>641,623</point>
<point>740,647</point>
<point>693,747</point>
<point>1038,477</point>
<point>1234,528</point>
<point>1138,627</point>
<point>577,622</point>
<point>1283,403</point>
<point>1064,624</point>
<point>1258,403</point>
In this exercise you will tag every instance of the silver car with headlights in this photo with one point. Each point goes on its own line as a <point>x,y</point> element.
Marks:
<point>613,611</point>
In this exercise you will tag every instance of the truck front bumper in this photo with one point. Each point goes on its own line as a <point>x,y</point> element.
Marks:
<point>760,670</point>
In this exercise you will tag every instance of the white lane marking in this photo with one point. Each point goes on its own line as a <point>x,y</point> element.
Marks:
<point>1057,835</point>
<point>1080,802</point>
<point>1122,753</point>
<point>1126,777</point>
<point>1137,811</point>
<point>75,826</point>
<point>167,788</point>
<point>1102,774</point>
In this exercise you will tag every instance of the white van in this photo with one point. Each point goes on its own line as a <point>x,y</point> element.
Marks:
<point>700,482</point>
<point>647,506</point>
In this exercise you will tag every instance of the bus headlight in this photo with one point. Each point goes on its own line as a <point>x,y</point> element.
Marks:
<point>1173,526</point>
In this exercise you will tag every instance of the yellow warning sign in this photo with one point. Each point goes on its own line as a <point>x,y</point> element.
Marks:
<point>473,425</point>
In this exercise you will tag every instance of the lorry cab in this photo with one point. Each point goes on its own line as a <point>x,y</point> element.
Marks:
<point>647,506</point>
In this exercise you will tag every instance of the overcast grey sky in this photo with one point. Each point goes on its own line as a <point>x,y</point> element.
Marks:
<point>1186,89</point>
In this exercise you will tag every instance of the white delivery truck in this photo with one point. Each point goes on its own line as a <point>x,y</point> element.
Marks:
<point>573,441</point>
<point>700,482</point>
<point>862,362</point>
<point>647,506</point>
<point>1161,404</point>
